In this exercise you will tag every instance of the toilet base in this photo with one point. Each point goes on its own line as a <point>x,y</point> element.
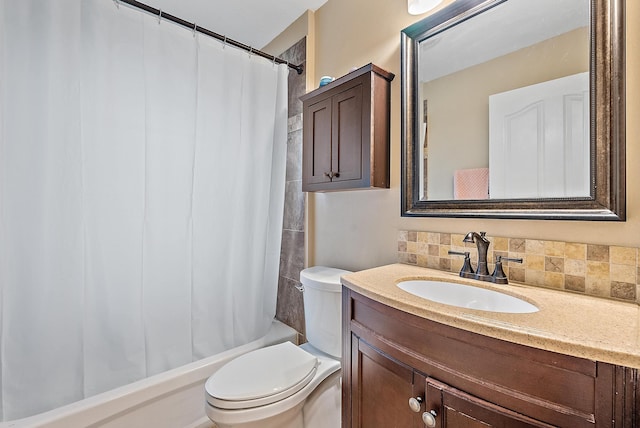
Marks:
<point>292,418</point>
<point>323,408</point>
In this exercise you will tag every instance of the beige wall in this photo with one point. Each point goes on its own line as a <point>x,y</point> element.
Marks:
<point>358,229</point>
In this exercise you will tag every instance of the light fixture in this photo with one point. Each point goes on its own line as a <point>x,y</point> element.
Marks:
<point>418,7</point>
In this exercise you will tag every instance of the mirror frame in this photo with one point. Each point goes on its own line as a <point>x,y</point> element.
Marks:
<point>607,200</point>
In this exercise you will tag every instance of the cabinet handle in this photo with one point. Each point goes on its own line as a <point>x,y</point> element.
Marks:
<point>332,175</point>
<point>429,418</point>
<point>415,404</point>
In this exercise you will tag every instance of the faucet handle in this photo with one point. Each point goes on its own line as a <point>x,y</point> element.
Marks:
<point>509,259</point>
<point>498,276</point>
<point>459,253</point>
<point>466,267</point>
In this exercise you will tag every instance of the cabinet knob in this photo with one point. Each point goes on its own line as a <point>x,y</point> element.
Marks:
<point>429,418</point>
<point>415,404</point>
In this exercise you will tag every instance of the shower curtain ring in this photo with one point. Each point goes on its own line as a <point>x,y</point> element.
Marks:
<point>159,15</point>
<point>250,51</point>
<point>224,42</point>
<point>195,28</point>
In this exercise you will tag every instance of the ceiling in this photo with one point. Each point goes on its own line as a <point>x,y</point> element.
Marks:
<point>252,22</point>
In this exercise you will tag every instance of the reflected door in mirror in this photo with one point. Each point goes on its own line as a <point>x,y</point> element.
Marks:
<point>539,140</point>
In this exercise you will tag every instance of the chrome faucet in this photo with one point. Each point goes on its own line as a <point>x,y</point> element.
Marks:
<point>482,272</point>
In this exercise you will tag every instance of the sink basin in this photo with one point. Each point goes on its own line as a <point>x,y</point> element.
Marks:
<point>467,296</point>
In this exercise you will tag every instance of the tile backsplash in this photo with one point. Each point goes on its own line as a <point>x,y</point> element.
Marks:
<point>597,270</point>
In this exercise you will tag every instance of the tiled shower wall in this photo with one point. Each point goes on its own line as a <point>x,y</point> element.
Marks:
<point>597,270</point>
<point>289,308</point>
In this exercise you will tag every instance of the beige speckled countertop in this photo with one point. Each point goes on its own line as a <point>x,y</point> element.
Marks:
<point>567,323</point>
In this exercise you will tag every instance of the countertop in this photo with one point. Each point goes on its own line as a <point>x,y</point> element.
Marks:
<point>567,323</point>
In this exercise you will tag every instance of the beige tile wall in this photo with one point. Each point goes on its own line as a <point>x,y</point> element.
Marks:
<point>597,270</point>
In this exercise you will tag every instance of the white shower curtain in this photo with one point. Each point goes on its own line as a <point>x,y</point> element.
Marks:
<point>141,197</point>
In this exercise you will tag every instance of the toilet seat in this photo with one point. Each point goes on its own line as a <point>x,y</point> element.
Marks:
<point>261,377</point>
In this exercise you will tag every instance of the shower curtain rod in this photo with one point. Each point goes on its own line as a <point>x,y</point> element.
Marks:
<point>194,27</point>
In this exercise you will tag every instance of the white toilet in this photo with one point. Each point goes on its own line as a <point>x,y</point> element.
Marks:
<point>288,386</point>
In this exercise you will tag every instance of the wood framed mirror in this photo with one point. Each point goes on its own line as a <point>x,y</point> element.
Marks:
<point>515,109</point>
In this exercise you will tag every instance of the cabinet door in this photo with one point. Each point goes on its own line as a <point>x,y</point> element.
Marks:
<point>456,409</point>
<point>317,152</point>
<point>381,388</point>
<point>347,144</point>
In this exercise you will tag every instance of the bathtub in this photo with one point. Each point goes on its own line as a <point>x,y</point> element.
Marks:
<point>173,399</point>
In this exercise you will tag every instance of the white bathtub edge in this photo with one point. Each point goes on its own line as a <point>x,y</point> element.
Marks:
<point>93,410</point>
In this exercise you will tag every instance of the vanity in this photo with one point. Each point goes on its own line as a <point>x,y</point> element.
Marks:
<point>413,362</point>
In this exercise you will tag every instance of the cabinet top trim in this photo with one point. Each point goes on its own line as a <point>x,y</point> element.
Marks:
<point>369,68</point>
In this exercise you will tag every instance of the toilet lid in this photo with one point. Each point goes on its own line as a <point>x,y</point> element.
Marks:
<point>261,377</point>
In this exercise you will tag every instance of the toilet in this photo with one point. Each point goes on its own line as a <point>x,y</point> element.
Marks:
<point>284,385</point>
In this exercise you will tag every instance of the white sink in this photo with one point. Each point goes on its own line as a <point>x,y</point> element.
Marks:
<point>467,296</point>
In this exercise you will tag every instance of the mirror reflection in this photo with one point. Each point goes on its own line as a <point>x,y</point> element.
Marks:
<point>503,104</point>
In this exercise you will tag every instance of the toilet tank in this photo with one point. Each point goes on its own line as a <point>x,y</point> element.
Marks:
<point>323,308</point>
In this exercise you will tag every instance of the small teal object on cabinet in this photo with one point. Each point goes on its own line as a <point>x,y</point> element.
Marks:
<point>326,79</point>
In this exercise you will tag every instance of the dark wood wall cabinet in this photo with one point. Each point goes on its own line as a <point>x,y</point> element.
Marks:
<point>400,370</point>
<point>346,132</point>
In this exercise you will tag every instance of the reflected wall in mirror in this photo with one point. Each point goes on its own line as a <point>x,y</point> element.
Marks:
<point>515,109</point>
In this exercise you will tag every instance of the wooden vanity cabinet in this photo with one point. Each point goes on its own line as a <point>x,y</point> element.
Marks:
<point>346,131</point>
<point>469,380</point>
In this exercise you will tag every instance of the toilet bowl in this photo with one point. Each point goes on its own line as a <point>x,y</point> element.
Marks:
<point>284,385</point>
